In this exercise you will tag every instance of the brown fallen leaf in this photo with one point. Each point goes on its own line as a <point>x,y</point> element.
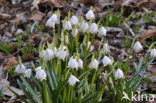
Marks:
<point>9,34</point>
<point>5,85</point>
<point>36,17</point>
<point>88,1</point>
<point>27,57</point>
<point>148,34</point>
<point>9,62</point>
<point>149,4</point>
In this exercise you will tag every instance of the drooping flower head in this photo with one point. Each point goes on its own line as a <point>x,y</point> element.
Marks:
<point>73,63</point>
<point>72,80</point>
<point>20,68</point>
<point>90,15</point>
<point>119,74</point>
<point>137,47</point>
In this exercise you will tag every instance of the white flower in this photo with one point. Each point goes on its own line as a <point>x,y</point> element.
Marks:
<point>67,25</point>
<point>72,80</point>
<point>74,32</point>
<point>107,61</point>
<point>62,53</point>
<point>102,31</point>
<point>90,15</point>
<point>27,73</point>
<point>137,47</point>
<point>49,54</point>
<point>52,20</point>
<point>84,26</point>
<point>40,74</point>
<point>43,55</point>
<point>74,20</point>
<point>94,64</point>
<point>153,53</point>
<point>20,68</point>
<point>106,48</point>
<point>50,23</point>
<point>80,63</point>
<point>93,28</point>
<point>72,63</point>
<point>119,74</point>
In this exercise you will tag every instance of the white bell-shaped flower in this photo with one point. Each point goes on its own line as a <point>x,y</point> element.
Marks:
<point>72,80</point>
<point>106,48</point>
<point>153,53</point>
<point>50,23</point>
<point>102,31</point>
<point>62,53</point>
<point>80,63</point>
<point>137,47</point>
<point>90,15</point>
<point>93,28</point>
<point>74,20</point>
<point>27,73</point>
<point>72,63</point>
<point>20,68</point>
<point>119,74</point>
<point>67,25</point>
<point>50,54</point>
<point>84,26</point>
<point>74,32</point>
<point>52,20</point>
<point>40,74</point>
<point>94,64</point>
<point>107,61</point>
<point>43,55</point>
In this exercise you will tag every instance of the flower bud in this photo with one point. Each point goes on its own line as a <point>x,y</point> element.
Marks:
<point>107,61</point>
<point>27,73</point>
<point>74,20</point>
<point>90,15</point>
<point>119,74</point>
<point>20,68</point>
<point>72,80</point>
<point>93,28</point>
<point>137,47</point>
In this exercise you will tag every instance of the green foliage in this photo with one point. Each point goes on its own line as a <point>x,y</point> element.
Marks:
<point>7,48</point>
<point>127,42</point>
<point>29,49</point>
<point>148,18</point>
<point>115,19</point>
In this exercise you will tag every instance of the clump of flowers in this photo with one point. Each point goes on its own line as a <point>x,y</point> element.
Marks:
<point>72,51</point>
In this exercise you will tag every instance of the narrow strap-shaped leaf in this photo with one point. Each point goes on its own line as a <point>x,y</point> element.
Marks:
<point>31,90</point>
<point>29,96</point>
<point>18,95</point>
